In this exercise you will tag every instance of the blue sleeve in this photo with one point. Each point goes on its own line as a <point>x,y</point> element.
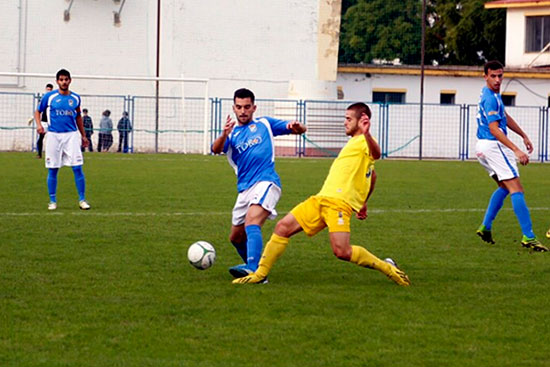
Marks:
<point>43,103</point>
<point>490,105</point>
<point>226,144</point>
<point>278,126</point>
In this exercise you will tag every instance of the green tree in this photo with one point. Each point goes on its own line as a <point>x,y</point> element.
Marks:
<point>464,32</point>
<point>458,32</point>
<point>381,29</point>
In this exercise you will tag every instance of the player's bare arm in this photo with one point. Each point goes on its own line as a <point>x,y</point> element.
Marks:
<point>217,146</point>
<point>363,212</point>
<point>521,156</point>
<point>514,126</point>
<point>296,127</point>
<point>374,148</point>
<point>39,127</point>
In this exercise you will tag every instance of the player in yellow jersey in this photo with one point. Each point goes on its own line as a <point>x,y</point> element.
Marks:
<point>347,188</point>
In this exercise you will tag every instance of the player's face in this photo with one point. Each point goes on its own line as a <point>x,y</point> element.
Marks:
<point>351,123</point>
<point>244,110</point>
<point>63,82</point>
<point>494,79</point>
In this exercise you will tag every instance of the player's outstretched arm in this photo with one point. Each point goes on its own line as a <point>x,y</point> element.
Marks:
<point>217,145</point>
<point>296,127</point>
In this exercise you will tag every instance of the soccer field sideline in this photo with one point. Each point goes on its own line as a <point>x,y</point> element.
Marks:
<point>180,214</point>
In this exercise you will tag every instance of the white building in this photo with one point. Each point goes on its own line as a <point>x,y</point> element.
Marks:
<point>262,45</point>
<point>527,73</point>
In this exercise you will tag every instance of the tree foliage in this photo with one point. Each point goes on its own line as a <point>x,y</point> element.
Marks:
<point>459,32</point>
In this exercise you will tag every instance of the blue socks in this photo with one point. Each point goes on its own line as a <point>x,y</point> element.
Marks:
<point>497,199</point>
<point>52,183</point>
<point>522,213</point>
<point>80,182</point>
<point>241,249</point>
<point>254,246</point>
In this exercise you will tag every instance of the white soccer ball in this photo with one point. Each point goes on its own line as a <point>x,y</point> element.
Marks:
<point>201,255</point>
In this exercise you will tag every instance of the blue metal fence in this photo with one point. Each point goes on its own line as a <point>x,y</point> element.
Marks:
<point>449,131</point>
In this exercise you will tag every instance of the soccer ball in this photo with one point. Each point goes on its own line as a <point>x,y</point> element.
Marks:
<point>201,255</point>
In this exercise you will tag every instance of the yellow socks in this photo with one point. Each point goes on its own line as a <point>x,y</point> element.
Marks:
<point>272,251</point>
<point>362,257</point>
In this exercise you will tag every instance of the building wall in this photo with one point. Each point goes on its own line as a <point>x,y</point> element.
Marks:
<point>359,86</point>
<point>515,38</point>
<point>234,43</point>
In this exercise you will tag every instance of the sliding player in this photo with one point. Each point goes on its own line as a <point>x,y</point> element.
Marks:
<point>347,188</point>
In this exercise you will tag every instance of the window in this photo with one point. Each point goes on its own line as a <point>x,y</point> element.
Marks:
<point>537,33</point>
<point>388,96</point>
<point>447,97</point>
<point>509,99</point>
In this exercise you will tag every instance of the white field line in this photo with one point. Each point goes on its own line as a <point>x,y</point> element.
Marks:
<point>228,213</point>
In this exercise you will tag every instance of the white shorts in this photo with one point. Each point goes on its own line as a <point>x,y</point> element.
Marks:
<point>63,149</point>
<point>497,159</point>
<point>264,193</point>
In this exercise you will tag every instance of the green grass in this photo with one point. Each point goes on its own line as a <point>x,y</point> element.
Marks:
<point>112,286</point>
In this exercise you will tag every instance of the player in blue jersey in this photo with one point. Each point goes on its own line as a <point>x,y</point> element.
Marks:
<point>65,136</point>
<point>248,143</point>
<point>498,155</point>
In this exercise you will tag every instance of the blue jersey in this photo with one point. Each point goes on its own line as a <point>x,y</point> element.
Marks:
<point>490,109</point>
<point>61,110</point>
<point>251,151</point>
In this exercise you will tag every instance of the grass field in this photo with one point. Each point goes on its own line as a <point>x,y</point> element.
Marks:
<point>112,286</point>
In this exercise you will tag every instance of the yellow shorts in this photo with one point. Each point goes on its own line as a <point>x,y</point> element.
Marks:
<point>317,212</point>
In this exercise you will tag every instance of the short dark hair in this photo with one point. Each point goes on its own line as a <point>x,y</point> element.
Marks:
<point>85,110</point>
<point>62,72</point>
<point>107,113</point>
<point>243,93</point>
<point>492,65</point>
<point>49,85</point>
<point>360,108</point>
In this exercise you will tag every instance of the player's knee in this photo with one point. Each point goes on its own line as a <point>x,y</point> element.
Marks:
<point>237,237</point>
<point>283,228</point>
<point>342,253</point>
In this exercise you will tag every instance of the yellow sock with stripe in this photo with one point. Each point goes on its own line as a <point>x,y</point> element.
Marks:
<point>362,257</point>
<point>272,251</point>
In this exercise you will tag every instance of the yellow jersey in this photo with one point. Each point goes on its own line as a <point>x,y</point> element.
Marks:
<point>350,174</point>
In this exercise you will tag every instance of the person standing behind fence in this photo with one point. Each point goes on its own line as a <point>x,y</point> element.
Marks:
<point>88,128</point>
<point>124,127</point>
<point>105,132</point>
<point>65,136</point>
<point>44,120</point>
<point>498,155</point>
<point>248,143</point>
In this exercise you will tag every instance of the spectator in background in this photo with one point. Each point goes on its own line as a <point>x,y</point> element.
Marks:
<point>88,128</point>
<point>44,119</point>
<point>105,132</point>
<point>124,127</point>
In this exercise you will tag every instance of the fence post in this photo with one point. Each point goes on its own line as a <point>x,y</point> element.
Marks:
<point>129,107</point>
<point>34,137</point>
<point>302,108</point>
